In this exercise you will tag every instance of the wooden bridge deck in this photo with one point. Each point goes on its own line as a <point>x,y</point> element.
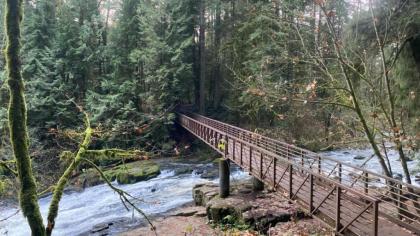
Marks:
<point>351,200</point>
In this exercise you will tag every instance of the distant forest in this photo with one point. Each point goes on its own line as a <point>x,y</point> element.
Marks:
<point>319,74</point>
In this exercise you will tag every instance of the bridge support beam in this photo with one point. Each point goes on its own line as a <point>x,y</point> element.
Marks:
<point>224,178</point>
<point>257,185</point>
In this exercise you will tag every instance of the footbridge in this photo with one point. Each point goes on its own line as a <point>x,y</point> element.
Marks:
<point>348,199</point>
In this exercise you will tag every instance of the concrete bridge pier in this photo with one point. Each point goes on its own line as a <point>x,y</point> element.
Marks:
<point>224,178</point>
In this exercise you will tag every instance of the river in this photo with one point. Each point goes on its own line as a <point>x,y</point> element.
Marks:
<point>81,211</point>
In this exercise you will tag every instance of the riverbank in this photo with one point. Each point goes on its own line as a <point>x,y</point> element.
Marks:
<point>245,212</point>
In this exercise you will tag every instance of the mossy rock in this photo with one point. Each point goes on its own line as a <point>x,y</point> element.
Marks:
<point>184,170</point>
<point>2,187</point>
<point>218,208</point>
<point>124,174</point>
<point>133,172</point>
<point>106,157</point>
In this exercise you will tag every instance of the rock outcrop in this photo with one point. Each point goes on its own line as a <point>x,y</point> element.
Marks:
<point>124,174</point>
<point>244,207</point>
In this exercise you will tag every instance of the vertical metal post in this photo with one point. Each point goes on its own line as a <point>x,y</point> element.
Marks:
<point>375,217</point>
<point>241,146</point>
<point>274,171</point>
<point>233,149</point>
<point>338,209</point>
<point>340,170</point>
<point>319,165</point>
<point>366,182</point>
<point>261,165</point>
<point>301,159</point>
<point>400,207</point>
<point>250,159</point>
<point>226,151</point>
<point>311,193</point>
<point>290,181</point>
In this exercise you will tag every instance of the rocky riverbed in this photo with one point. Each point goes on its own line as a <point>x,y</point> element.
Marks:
<point>245,212</point>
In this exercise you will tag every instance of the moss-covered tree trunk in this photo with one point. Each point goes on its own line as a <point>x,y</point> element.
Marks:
<point>17,119</point>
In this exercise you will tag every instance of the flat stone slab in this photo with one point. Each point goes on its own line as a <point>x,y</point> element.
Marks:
<point>301,227</point>
<point>261,210</point>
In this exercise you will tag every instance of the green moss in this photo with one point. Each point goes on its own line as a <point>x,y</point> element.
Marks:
<point>106,157</point>
<point>3,171</point>
<point>134,172</point>
<point>59,188</point>
<point>28,197</point>
<point>2,187</point>
<point>125,174</point>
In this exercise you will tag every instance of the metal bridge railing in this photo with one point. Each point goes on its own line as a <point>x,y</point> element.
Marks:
<point>398,201</point>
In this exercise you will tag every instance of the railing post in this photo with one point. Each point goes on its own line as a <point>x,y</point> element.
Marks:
<point>290,181</point>
<point>301,159</point>
<point>302,163</point>
<point>311,193</point>
<point>250,160</point>
<point>340,170</point>
<point>274,171</point>
<point>399,204</point>
<point>233,149</point>
<point>261,165</point>
<point>338,209</point>
<point>241,146</point>
<point>375,217</point>
<point>366,182</point>
<point>319,165</point>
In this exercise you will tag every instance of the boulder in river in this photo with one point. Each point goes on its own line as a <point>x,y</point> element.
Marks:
<point>359,157</point>
<point>124,174</point>
<point>397,176</point>
<point>134,172</point>
<point>210,173</point>
<point>183,170</point>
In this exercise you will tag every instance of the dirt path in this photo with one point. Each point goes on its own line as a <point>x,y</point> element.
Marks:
<point>188,220</point>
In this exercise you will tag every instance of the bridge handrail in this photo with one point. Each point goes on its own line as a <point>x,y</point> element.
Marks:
<point>360,204</point>
<point>391,210</point>
<point>315,155</point>
<point>271,154</point>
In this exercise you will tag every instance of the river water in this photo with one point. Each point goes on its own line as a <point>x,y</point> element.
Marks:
<point>80,212</point>
<point>353,157</point>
